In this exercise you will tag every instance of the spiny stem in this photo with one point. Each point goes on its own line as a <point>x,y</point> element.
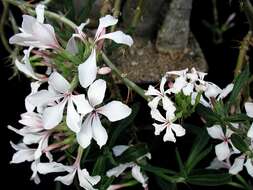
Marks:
<point>2,22</point>
<point>30,9</point>
<point>242,53</point>
<point>123,77</point>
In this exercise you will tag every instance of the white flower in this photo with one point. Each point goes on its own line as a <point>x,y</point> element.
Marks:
<point>136,170</point>
<point>187,81</point>
<point>71,45</point>
<point>92,127</point>
<point>222,150</point>
<point>159,95</point>
<point>216,92</point>
<point>85,180</point>
<point>88,70</point>
<point>239,163</point>
<point>249,110</point>
<point>60,92</point>
<point>218,164</point>
<point>167,123</point>
<point>35,33</point>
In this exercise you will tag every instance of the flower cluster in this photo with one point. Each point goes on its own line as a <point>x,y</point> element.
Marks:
<point>59,116</point>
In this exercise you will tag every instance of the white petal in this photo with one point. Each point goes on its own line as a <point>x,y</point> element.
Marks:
<point>96,92</point>
<point>115,110</point>
<point>118,37</point>
<point>188,89</point>
<point>50,167</point>
<point>237,166</point>
<point>87,71</point>
<point>226,91</point>
<point>216,132</point>
<point>154,102</point>
<point>222,151</point>
<point>85,180</point>
<point>249,108</point>
<point>169,136</point>
<point>67,179</point>
<point>249,166</point>
<point>119,149</point>
<point>27,23</point>
<point>23,154</point>
<point>136,173</point>
<point>104,22</point>
<point>119,169</point>
<point>168,104</point>
<point>58,82</point>
<point>250,132</point>
<point>85,134</point>
<point>178,129</point>
<point>35,176</point>
<point>82,104</point>
<point>34,89</point>
<point>217,164</point>
<point>179,73</point>
<point>52,116</point>
<point>25,69</point>
<point>179,83</point>
<point>152,91</point>
<point>40,12</point>
<point>42,97</point>
<point>99,132</point>
<point>73,118</point>
<point>159,128</point>
<point>212,90</point>
<point>155,114</point>
<point>72,46</point>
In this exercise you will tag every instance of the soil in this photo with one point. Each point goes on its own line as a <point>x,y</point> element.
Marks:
<point>144,64</point>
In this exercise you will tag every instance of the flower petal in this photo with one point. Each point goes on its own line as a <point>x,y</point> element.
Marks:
<point>67,179</point>
<point>87,71</point>
<point>58,82</point>
<point>73,118</point>
<point>136,173</point>
<point>249,166</point>
<point>23,153</point>
<point>216,132</point>
<point>152,91</point>
<point>104,22</point>
<point>154,102</point>
<point>237,166</point>
<point>178,129</point>
<point>250,132</point>
<point>168,104</point>
<point>82,105</point>
<point>249,108</point>
<point>226,91</point>
<point>159,128</point>
<point>40,12</point>
<point>85,180</point>
<point>85,134</point>
<point>222,151</point>
<point>99,132</point>
<point>52,116</point>
<point>169,136</point>
<point>115,110</point>
<point>96,92</point>
<point>155,114</point>
<point>119,169</point>
<point>50,167</point>
<point>119,149</point>
<point>118,37</point>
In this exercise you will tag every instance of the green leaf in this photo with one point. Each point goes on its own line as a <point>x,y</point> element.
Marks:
<point>133,153</point>
<point>180,163</point>
<point>99,167</point>
<point>210,116</point>
<point>239,143</point>
<point>209,179</point>
<point>239,83</point>
<point>196,153</point>
<point>155,169</point>
<point>122,125</point>
<point>164,185</point>
<point>238,118</point>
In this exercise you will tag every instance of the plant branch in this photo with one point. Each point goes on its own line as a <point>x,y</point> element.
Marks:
<point>116,12</point>
<point>123,77</point>
<point>2,22</point>
<point>242,53</point>
<point>30,9</point>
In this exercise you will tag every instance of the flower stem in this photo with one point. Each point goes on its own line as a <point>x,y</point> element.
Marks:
<point>243,53</point>
<point>30,9</point>
<point>2,22</point>
<point>116,12</point>
<point>123,77</point>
